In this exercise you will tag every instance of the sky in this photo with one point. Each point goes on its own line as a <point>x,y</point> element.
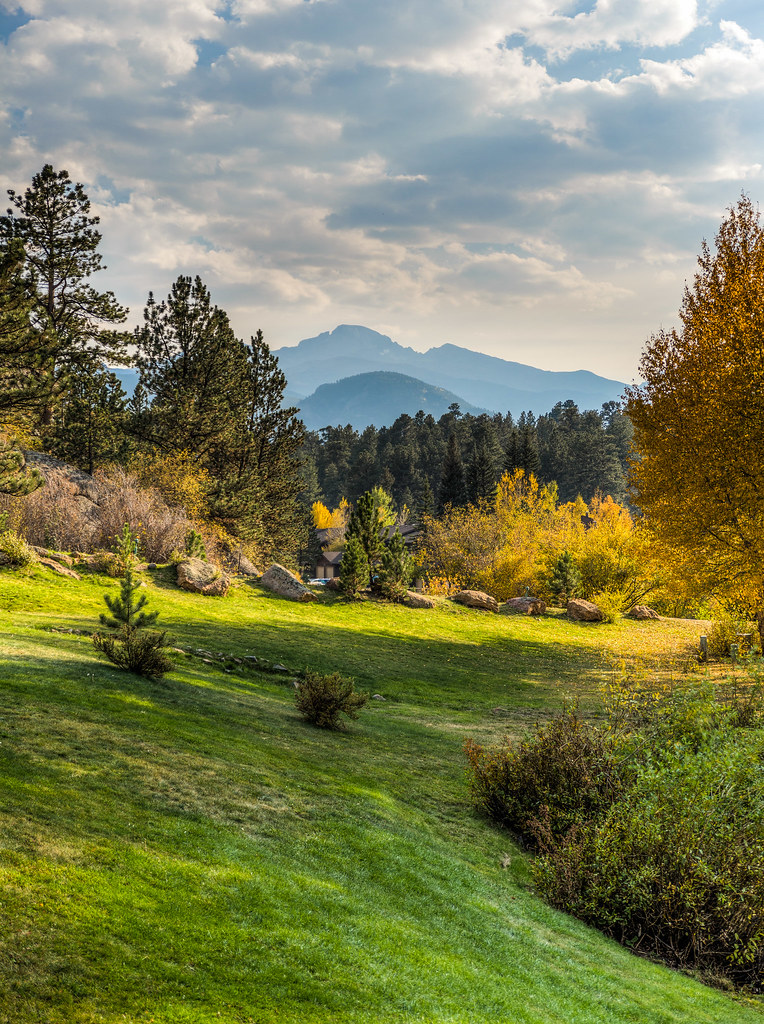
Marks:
<point>529,179</point>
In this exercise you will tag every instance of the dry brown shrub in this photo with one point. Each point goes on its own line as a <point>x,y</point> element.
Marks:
<point>56,516</point>
<point>158,528</point>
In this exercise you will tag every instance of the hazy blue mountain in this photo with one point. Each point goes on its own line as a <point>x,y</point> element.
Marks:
<point>486,381</point>
<point>376,398</point>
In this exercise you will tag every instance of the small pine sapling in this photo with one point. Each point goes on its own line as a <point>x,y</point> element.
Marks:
<point>396,570</point>
<point>321,699</point>
<point>131,649</point>
<point>194,546</point>
<point>565,579</point>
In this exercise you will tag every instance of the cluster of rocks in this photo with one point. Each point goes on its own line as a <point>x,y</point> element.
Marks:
<point>514,606</point>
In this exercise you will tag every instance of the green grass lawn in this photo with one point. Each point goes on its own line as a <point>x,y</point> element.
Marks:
<point>191,851</point>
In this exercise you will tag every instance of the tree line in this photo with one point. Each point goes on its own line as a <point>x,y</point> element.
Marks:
<point>458,459</point>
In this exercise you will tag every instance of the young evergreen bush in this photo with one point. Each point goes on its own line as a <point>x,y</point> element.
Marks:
<point>396,569</point>
<point>354,569</point>
<point>138,652</point>
<point>565,579</point>
<point>132,649</point>
<point>322,699</point>
<point>194,545</point>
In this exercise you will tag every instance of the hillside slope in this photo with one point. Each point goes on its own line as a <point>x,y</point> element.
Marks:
<point>191,851</point>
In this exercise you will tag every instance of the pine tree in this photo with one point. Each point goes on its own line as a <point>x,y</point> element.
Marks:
<point>367,526</point>
<point>133,648</point>
<point>425,505</point>
<point>565,579</point>
<point>21,390</point>
<point>481,474</point>
<point>354,569</point>
<point>126,610</point>
<point>89,424</point>
<point>453,490</point>
<point>222,399</point>
<point>60,245</point>
<point>396,569</point>
<point>15,478</point>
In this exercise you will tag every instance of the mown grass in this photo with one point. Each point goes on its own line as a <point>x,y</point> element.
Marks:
<point>191,851</point>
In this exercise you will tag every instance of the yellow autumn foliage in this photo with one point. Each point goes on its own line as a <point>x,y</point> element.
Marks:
<point>510,547</point>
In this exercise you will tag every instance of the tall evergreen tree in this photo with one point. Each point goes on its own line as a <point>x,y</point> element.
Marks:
<point>60,244</point>
<point>89,426</point>
<point>481,474</point>
<point>367,526</point>
<point>453,490</point>
<point>221,399</point>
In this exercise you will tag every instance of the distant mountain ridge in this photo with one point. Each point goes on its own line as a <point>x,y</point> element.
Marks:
<point>377,398</point>
<point>487,382</point>
<point>356,375</point>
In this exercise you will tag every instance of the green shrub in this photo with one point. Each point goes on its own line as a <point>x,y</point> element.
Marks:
<point>15,551</point>
<point>650,827</point>
<point>723,633</point>
<point>138,651</point>
<point>675,869</point>
<point>610,603</point>
<point>565,579</point>
<point>322,699</point>
<point>567,767</point>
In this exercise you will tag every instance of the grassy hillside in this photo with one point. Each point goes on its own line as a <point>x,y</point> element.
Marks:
<point>191,851</point>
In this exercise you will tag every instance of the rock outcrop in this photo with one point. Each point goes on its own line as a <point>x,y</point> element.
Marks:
<point>476,599</point>
<point>416,600</point>
<point>202,578</point>
<point>282,582</point>
<point>583,611</point>
<point>523,606</point>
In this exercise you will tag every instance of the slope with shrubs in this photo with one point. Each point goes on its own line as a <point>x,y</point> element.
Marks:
<point>193,851</point>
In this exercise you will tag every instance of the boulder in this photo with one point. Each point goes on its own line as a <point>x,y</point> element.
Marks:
<point>415,600</point>
<point>62,570</point>
<point>202,578</point>
<point>641,611</point>
<point>476,599</point>
<point>583,611</point>
<point>523,606</point>
<point>237,562</point>
<point>56,556</point>
<point>284,583</point>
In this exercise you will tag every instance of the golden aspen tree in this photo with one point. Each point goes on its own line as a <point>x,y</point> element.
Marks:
<point>699,416</point>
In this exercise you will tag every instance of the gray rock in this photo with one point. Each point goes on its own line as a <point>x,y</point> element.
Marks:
<point>476,599</point>
<point>202,578</point>
<point>583,611</point>
<point>415,600</point>
<point>523,606</point>
<point>284,583</point>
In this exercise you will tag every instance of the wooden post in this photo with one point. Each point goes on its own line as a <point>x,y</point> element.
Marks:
<point>704,648</point>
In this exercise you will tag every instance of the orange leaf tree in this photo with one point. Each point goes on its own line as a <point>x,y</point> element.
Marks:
<point>699,417</point>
